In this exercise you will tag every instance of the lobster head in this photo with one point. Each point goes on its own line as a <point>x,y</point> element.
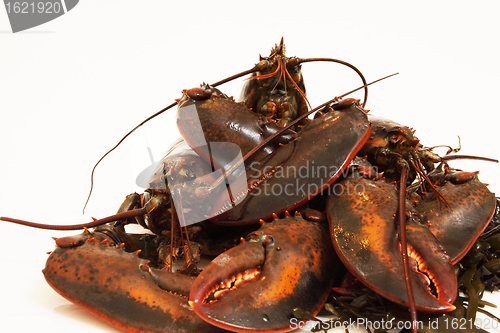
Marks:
<point>277,89</point>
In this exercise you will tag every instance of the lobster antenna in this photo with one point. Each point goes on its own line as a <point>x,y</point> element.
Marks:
<point>271,137</point>
<point>450,149</point>
<point>250,71</point>
<point>93,224</point>
<point>467,157</point>
<point>365,86</point>
<point>417,165</point>
<point>404,247</point>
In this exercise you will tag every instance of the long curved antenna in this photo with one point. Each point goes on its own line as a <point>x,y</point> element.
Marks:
<point>467,157</point>
<point>345,64</point>
<point>450,148</point>
<point>93,224</point>
<point>404,247</point>
<point>250,71</point>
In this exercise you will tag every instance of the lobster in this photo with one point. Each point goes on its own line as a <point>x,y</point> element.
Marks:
<point>220,182</point>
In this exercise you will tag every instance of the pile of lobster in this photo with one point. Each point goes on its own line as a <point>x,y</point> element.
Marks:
<point>290,207</point>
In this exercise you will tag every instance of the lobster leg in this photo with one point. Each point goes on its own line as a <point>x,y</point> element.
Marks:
<point>121,289</point>
<point>256,285</point>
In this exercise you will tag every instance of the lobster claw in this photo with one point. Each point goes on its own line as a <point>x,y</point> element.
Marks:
<point>120,288</point>
<point>292,165</point>
<point>471,208</point>
<point>365,236</point>
<point>291,172</point>
<point>256,285</point>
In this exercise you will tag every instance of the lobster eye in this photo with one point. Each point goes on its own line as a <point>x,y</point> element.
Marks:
<point>294,71</point>
<point>295,74</point>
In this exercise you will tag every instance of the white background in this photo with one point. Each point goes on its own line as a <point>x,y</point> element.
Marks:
<point>71,88</point>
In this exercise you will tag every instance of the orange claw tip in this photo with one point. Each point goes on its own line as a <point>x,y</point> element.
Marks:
<point>48,253</point>
<point>54,238</point>
<point>191,304</point>
<point>443,306</point>
<point>122,245</point>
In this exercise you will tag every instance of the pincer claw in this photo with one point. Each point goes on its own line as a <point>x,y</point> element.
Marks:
<point>121,289</point>
<point>363,231</point>
<point>257,284</point>
<point>471,208</point>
